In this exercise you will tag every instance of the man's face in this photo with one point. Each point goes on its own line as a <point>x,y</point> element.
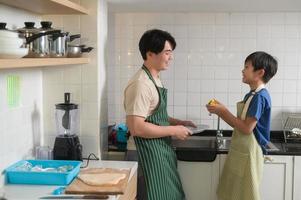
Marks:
<point>161,60</point>
<point>250,76</point>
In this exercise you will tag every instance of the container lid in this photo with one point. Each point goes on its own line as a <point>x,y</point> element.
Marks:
<point>29,28</point>
<point>66,105</point>
<point>46,26</point>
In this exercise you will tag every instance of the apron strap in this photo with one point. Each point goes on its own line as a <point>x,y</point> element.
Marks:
<point>246,106</point>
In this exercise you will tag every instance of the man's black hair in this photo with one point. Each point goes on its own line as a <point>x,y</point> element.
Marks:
<point>154,41</point>
<point>263,60</point>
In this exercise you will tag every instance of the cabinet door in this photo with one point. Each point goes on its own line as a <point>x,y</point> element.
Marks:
<point>297,178</point>
<point>277,178</point>
<point>199,179</point>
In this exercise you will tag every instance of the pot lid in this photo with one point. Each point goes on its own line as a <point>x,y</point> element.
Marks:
<point>3,26</point>
<point>29,28</point>
<point>46,26</point>
<point>66,105</point>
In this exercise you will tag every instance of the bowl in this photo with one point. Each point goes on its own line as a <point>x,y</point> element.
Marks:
<point>8,42</point>
<point>10,53</point>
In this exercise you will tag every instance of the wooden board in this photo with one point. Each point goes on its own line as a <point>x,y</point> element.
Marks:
<point>47,7</point>
<point>40,62</point>
<point>79,187</point>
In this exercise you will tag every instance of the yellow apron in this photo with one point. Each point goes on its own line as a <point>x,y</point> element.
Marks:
<point>242,171</point>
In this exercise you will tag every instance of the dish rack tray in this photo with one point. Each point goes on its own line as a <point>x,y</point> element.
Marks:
<point>291,125</point>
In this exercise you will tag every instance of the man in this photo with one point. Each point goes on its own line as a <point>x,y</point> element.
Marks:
<point>145,102</point>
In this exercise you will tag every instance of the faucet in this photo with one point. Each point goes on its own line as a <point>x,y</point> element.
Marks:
<point>219,134</point>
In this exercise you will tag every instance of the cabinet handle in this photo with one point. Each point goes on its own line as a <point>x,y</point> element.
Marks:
<point>268,159</point>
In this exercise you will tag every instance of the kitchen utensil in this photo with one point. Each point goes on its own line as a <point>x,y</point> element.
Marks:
<point>291,126</point>
<point>40,39</point>
<point>8,42</point>
<point>59,43</point>
<point>66,196</point>
<point>75,51</point>
<point>4,32</point>
<point>44,153</point>
<point>67,145</point>
<point>79,187</point>
<point>67,117</point>
<point>200,128</point>
<point>10,53</point>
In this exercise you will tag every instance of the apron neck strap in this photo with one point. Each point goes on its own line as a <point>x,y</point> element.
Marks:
<point>246,106</point>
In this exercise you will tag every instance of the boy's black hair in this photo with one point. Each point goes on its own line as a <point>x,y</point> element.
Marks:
<point>154,41</point>
<point>263,60</point>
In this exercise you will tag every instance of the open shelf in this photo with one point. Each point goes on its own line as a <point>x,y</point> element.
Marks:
<point>40,62</point>
<point>47,7</point>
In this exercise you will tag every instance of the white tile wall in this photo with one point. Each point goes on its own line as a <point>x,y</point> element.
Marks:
<point>85,82</point>
<point>210,53</point>
<point>20,127</point>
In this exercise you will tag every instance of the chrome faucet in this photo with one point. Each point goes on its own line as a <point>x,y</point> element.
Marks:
<point>219,134</point>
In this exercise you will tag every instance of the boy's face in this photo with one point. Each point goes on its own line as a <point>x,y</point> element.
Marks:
<point>249,76</point>
<point>162,60</point>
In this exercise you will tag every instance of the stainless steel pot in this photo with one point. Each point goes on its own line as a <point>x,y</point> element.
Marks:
<point>75,51</point>
<point>59,44</point>
<point>26,32</point>
<point>40,40</point>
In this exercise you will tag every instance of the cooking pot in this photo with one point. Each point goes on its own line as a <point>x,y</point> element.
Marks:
<point>59,44</point>
<point>38,39</point>
<point>26,32</point>
<point>75,51</point>
<point>5,33</point>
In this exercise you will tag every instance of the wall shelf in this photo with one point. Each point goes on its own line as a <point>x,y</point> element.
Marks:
<point>40,62</point>
<point>47,7</point>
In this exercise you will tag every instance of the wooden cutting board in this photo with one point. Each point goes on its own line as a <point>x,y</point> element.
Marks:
<point>79,187</point>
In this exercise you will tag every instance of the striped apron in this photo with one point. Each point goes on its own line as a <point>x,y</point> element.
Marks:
<point>157,158</point>
<point>242,172</point>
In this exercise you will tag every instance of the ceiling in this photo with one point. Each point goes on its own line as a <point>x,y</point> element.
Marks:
<point>204,5</point>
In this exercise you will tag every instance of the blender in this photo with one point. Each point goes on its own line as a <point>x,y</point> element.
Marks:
<point>67,145</point>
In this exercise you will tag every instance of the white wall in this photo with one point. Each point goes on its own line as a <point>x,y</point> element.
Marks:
<point>210,53</point>
<point>21,125</point>
<point>85,82</point>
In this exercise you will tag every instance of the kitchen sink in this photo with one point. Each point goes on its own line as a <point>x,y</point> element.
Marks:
<point>195,143</point>
<point>196,149</point>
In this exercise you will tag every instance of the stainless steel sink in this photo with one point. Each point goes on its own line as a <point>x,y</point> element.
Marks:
<point>195,143</point>
<point>196,149</point>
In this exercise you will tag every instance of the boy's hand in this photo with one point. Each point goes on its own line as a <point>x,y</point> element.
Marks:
<point>216,108</point>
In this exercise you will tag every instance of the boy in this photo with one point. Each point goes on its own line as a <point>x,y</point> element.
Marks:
<point>243,167</point>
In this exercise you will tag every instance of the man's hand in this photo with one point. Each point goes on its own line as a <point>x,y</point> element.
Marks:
<point>180,132</point>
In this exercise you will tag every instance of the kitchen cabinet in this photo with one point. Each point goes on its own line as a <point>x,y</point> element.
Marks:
<point>277,180</point>
<point>199,179</point>
<point>47,7</point>
<point>297,178</point>
<point>44,7</point>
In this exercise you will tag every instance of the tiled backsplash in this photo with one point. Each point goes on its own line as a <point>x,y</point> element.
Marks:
<point>20,124</point>
<point>209,57</point>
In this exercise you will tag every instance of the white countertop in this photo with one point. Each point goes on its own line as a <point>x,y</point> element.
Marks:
<point>26,192</point>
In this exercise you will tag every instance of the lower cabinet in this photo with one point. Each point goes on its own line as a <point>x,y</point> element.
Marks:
<point>199,179</point>
<point>277,180</point>
<point>281,178</point>
<point>297,178</point>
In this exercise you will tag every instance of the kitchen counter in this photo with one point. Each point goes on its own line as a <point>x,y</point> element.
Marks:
<point>202,147</point>
<point>26,192</point>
